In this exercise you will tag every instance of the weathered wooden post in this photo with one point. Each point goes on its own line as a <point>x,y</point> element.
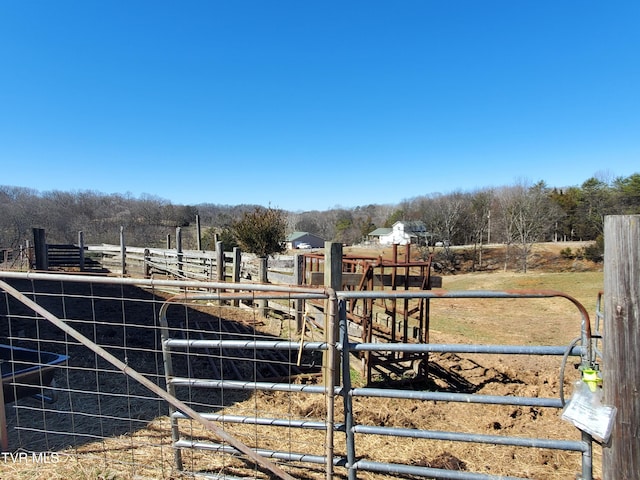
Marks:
<point>40,249</point>
<point>179,250</point>
<point>198,233</point>
<point>123,252</point>
<point>298,279</point>
<point>237,264</point>
<point>81,249</point>
<point>219,262</point>
<point>147,263</point>
<point>28,252</point>
<point>333,280</point>
<point>263,277</point>
<point>220,266</point>
<point>621,344</point>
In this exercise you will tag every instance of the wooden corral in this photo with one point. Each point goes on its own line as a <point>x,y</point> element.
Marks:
<point>379,319</point>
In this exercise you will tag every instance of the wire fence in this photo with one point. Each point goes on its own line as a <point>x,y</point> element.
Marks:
<point>84,401</point>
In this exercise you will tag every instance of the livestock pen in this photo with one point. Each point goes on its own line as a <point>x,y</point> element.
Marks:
<point>169,379</point>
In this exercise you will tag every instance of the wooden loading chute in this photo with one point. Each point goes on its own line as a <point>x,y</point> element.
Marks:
<point>379,319</point>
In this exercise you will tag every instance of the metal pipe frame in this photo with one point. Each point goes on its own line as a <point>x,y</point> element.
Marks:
<point>265,421</point>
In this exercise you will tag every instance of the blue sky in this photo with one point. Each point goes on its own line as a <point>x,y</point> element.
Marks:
<point>307,105</point>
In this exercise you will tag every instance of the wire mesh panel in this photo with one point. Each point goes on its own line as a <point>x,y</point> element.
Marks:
<point>83,412</point>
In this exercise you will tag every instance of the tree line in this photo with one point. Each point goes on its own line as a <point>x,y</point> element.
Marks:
<point>516,215</point>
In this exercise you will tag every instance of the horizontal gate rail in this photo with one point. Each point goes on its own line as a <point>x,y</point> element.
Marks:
<point>271,454</point>
<point>437,473</point>
<point>457,397</point>
<point>267,421</point>
<point>247,344</point>
<point>235,385</point>
<point>570,445</point>
<point>467,348</point>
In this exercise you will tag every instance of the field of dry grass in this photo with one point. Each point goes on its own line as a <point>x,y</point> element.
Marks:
<point>522,321</point>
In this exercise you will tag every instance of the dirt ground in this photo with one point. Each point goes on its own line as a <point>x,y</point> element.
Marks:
<point>141,449</point>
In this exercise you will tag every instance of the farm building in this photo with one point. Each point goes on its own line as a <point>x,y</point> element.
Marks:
<point>401,233</point>
<point>304,240</point>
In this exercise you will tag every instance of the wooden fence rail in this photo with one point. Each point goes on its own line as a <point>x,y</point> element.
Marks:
<point>192,264</point>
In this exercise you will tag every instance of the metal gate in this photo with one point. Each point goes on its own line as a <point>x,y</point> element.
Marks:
<point>230,398</point>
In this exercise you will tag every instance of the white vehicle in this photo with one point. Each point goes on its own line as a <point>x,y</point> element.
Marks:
<point>303,245</point>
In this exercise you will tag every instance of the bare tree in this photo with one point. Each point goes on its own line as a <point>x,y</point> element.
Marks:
<point>478,222</point>
<point>528,215</point>
<point>447,217</point>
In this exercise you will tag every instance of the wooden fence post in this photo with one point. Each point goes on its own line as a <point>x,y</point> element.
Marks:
<point>332,279</point>
<point>621,344</point>
<point>179,250</point>
<point>123,251</point>
<point>263,277</point>
<point>237,265</point>
<point>40,249</point>
<point>219,262</point>
<point>298,279</point>
<point>28,251</point>
<point>81,249</point>
<point>147,263</point>
<point>198,233</point>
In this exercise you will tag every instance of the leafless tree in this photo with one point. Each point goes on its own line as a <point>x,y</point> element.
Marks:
<point>528,215</point>
<point>477,225</point>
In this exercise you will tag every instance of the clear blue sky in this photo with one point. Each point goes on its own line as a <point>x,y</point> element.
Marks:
<point>307,105</point>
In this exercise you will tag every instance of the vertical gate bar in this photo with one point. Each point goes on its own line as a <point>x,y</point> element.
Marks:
<point>394,273</point>
<point>330,378</point>
<point>347,399</point>
<point>587,458</point>
<point>165,334</point>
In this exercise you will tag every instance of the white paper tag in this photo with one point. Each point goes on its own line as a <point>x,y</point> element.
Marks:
<point>586,413</point>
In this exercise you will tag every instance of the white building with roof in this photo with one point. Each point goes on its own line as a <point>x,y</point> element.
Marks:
<point>401,233</point>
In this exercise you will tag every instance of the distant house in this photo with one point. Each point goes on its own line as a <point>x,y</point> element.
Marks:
<point>379,233</point>
<point>401,233</point>
<point>304,240</point>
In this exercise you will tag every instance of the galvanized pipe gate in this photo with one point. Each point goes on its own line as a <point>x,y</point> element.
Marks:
<point>584,447</point>
<point>349,426</point>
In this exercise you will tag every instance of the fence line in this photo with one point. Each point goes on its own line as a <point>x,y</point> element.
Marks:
<point>193,264</point>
